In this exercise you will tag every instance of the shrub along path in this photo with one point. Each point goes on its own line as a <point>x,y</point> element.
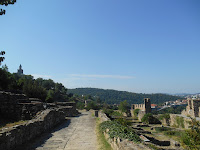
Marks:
<point>78,133</point>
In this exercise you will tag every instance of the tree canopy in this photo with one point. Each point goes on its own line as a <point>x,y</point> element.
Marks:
<point>115,97</point>
<point>123,106</point>
<point>46,90</point>
<point>1,56</point>
<point>5,3</point>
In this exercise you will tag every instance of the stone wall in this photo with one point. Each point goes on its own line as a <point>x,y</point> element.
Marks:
<point>165,122</point>
<point>146,107</point>
<point>179,121</point>
<point>138,106</point>
<point>117,143</point>
<point>18,106</point>
<point>193,108</point>
<point>103,117</point>
<point>19,134</point>
<point>140,115</point>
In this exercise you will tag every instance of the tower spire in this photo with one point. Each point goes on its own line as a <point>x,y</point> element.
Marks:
<point>20,70</point>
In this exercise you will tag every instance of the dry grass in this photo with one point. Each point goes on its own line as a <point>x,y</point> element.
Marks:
<point>11,124</point>
<point>102,142</point>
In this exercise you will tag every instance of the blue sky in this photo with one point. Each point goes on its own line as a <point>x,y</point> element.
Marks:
<point>133,45</point>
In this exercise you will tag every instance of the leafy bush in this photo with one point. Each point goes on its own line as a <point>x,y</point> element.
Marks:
<point>111,112</point>
<point>122,121</point>
<point>146,118</point>
<point>150,119</point>
<point>116,113</point>
<point>135,112</point>
<point>164,116</point>
<point>172,133</point>
<point>80,105</point>
<point>191,139</point>
<point>108,111</point>
<point>123,106</point>
<point>118,130</point>
<point>92,105</point>
<point>161,129</point>
<point>180,121</point>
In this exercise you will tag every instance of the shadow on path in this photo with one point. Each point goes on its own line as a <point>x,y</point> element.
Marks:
<point>41,139</point>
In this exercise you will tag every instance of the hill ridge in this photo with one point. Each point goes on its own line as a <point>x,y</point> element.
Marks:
<point>111,96</point>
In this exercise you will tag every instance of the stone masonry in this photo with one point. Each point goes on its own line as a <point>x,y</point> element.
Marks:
<point>193,108</point>
<point>12,137</point>
<point>18,106</point>
<point>144,108</point>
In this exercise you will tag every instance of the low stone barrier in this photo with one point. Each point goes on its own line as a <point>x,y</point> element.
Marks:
<point>179,121</point>
<point>19,134</point>
<point>103,117</point>
<point>120,144</point>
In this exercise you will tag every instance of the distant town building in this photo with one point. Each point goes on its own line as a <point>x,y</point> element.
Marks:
<point>20,70</point>
<point>154,106</point>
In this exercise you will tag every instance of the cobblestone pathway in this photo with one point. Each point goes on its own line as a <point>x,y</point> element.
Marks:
<point>78,133</point>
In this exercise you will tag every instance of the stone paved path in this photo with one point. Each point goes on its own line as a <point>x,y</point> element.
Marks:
<point>78,133</point>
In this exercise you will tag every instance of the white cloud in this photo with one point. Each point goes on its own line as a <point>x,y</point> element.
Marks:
<point>101,76</point>
<point>41,76</point>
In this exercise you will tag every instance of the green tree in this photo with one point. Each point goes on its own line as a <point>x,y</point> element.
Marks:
<point>194,125</point>
<point>98,100</point>
<point>50,96</point>
<point>80,105</point>
<point>6,3</point>
<point>92,105</point>
<point>4,79</point>
<point>147,117</point>
<point>150,119</point>
<point>1,57</point>
<point>5,67</point>
<point>123,106</point>
<point>135,112</point>
<point>31,89</point>
<point>48,84</point>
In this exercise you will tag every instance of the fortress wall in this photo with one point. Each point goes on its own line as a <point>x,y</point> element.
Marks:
<point>12,137</point>
<point>144,108</point>
<point>139,106</point>
<point>18,106</point>
<point>9,107</point>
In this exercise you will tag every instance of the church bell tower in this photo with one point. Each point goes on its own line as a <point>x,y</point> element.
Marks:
<point>20,70</point>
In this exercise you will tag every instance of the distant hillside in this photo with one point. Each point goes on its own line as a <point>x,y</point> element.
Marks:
<point>115,97</point>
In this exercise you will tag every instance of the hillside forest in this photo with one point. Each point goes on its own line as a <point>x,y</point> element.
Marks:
<point>115,97</point>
